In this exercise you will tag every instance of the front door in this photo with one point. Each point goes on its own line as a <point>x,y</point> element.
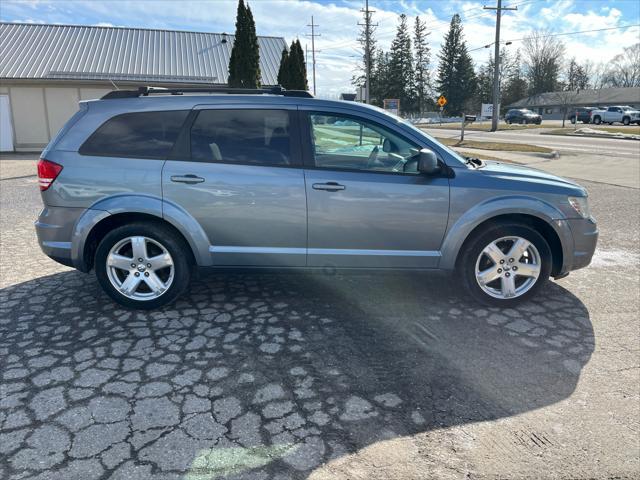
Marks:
<point>241,180</point>
<point>367,204</point>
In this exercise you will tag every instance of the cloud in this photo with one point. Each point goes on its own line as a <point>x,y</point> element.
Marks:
<point>337,47</point>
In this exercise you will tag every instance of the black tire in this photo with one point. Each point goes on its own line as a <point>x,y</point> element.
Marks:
<point>597,120</point>
<point>473,248</point>
<point>572,120</point>
<point>626,121</point>
<point>174,244</point>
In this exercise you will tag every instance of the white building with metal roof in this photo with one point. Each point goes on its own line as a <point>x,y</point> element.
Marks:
<point>45,70</point>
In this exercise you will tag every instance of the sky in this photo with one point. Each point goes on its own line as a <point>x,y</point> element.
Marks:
<point>337,50</point>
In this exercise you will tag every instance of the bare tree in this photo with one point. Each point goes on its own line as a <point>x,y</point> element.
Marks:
<point>543,59</point>
<point>566,99</point>
<point>624,70</point>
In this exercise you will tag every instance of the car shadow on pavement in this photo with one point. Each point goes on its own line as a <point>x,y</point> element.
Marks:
<point>265,375</point>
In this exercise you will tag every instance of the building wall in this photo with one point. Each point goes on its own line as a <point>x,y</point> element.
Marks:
<point>38,111</point>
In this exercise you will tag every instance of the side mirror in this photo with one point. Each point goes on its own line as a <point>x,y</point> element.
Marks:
<point>428,162</point>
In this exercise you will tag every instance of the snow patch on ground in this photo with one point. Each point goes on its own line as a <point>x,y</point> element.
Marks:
<point>604,133</point>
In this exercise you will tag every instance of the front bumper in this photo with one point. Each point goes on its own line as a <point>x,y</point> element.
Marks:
<point>578,250</point>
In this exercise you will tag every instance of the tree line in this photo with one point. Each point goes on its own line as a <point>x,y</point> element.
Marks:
<point>405,71</point>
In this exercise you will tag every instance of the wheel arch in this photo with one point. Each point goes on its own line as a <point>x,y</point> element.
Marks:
<point>541,226</point>
<point>544,217</point>
<point>115,211</point>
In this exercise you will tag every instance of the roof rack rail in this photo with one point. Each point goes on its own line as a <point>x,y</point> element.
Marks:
<point>146,91</point>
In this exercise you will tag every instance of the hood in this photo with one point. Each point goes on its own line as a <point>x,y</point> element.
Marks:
<point>537,179</point>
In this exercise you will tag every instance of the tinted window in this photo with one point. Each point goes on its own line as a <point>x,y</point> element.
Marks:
<point>142,135</point>
<point>241,136</point>
<point>347,143</point>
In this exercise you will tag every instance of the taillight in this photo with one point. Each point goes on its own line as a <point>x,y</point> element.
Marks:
<point>47,173</point>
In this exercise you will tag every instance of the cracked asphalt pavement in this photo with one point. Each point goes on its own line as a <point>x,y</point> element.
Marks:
<point>278,376</point>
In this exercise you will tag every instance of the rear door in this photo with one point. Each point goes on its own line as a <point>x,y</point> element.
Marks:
<point>367,204</point>
<point>237,171</point>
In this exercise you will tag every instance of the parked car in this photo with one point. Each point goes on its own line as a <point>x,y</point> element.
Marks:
<point>167,182</point>
<point>583,114</point>
<point>522,115</point>
<point>617,114</point>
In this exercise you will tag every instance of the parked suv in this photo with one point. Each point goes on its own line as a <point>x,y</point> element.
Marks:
<point>142,186</point>
<point>522,115</point>
<point>582,114</point>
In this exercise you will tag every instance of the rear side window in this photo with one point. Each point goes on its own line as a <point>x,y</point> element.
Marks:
<point>258,137</point>
<point>139,135</point>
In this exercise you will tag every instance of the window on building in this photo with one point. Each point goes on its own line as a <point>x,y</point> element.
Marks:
<point>242,136</point>
<point>138,135</point>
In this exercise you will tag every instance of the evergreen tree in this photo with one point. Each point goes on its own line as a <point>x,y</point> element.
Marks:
<point>422,60</point>
<point>379,78</point>
<point>283,71</point>
<point>401,74</point>
<point>244,64</point>
<point>297,67</point>
<point>456,77</point>
<point>577,76</point>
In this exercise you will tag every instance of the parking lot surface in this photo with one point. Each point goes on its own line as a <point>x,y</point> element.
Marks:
<point>277,376</point>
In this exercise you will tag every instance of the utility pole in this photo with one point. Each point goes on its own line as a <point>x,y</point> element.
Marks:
<point>496,64</point>
<point>313,36</point>
<point>367,49</point>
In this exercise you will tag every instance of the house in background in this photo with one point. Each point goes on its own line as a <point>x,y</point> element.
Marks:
<point>551,104</point>
<point>45,70</point>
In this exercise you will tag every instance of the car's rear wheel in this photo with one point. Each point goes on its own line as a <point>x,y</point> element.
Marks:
<point>597,120</point>
<point>143,265</point>
<point>505,264</point>
<point>626,121</point>
<point>572,119</point>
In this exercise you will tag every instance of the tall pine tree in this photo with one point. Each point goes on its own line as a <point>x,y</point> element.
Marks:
<point>297,68</point>
<point>401,75</point>
<point>283,72</point>
<point>456,77</point>
<point>422,60</point>
<point>244,64</point>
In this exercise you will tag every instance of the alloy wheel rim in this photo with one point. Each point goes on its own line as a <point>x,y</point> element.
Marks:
<point>508,267</point>
<point>140,268</point>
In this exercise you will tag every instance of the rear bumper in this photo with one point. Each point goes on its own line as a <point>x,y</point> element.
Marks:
<point>54,228</point>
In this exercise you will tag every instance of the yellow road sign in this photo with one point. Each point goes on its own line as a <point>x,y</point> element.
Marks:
<point>442,101</point>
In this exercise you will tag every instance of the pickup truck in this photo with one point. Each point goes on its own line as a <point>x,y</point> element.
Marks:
<point>620,114</point>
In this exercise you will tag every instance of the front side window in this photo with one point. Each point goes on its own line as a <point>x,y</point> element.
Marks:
<point>139,135</point>
<point>259,137</point>
<point>342,142</point>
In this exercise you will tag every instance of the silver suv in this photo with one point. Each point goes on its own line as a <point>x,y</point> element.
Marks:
<point>141,186</point>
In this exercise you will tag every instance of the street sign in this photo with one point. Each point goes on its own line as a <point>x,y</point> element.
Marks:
<point>392,105</point>
<point>442,101</point>
<point>487,110</point>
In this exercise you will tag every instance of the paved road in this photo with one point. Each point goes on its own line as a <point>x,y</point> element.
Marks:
<point>321,377</point>
<point>602,146</point>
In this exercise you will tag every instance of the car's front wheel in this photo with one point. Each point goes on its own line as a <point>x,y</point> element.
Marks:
<point>143,265</point>
<point>505,264</point>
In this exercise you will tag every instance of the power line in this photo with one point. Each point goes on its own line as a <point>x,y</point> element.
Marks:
<point>558,35</point>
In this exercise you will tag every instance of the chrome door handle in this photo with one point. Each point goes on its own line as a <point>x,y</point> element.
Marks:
<point>190,179</point>
<point>329,186</point>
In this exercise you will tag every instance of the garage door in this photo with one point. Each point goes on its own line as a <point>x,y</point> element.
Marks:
<point>6,129</point>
